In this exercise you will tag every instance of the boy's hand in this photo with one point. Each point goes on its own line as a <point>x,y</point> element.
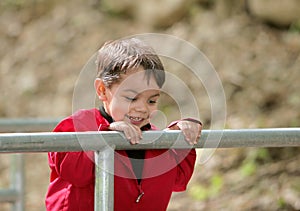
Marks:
<point>132,132</point>
<point>191,130</point>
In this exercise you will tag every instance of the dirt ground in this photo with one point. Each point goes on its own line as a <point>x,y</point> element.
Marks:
<point>44,47</point>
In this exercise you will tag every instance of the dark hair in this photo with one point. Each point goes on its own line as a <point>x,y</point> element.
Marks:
<point>117,57</point>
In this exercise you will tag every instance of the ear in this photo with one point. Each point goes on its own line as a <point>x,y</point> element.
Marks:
<point>100,89</point>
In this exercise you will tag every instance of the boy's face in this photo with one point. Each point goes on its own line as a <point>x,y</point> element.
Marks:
<point>133,99</point>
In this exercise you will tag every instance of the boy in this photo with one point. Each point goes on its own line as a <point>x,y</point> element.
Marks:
<point>130,76</point>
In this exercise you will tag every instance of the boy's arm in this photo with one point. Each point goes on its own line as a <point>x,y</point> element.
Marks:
<point>186,157</point>
<point>74,167</point>
<point>186,161</point>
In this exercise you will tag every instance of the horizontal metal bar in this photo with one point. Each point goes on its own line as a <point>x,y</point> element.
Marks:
<point>27,125</point>
<point>79,141</point>
<point>8,195</point>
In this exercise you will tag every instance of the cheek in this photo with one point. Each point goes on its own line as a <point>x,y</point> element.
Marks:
<point>118,109</point>
<point>153,109</point>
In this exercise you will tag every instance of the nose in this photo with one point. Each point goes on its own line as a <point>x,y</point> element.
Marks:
<point>140,106</point>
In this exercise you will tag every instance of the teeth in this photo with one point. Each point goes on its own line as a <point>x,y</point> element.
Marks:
<point>135,118</point>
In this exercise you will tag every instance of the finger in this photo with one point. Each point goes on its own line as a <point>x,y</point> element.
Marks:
<point>128,134</point>
<point>135,134</point>
<point>195,133</point>
<point>182,127</point>
<point>139,132</point>
<point>192,133</point>
<point>188,133</point>
<point>198,132</point>
<point>131,132</point>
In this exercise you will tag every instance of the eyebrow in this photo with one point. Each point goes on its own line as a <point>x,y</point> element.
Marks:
<point>136,93</point>
<point>131,90</point>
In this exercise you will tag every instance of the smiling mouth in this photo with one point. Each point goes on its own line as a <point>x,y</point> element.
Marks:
<point>135,120</point>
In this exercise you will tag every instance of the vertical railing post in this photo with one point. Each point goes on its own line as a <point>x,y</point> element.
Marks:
<point>104,179</point>
<point>17,181</point>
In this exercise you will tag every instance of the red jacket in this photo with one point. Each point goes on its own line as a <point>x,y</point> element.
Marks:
<point>72,177</point>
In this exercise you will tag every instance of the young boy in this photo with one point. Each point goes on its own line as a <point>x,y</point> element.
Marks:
<point>130,76</point>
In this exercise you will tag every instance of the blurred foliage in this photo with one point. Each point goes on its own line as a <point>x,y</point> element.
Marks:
<point>295,27</point>
<point>13,4</point>
<point>19,4</point>
<point>202,192</point>
<point>248,168</point>
<point>282,153</point>
<point>115,10</point>
<point>252,160</point>
<point>28,9</point>
<point>281,203</point>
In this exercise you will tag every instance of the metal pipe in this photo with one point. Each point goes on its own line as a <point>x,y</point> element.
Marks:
<point>27,125</point>
<point>82,141</point>
<point>8,195</point>
<point>106,142</point>
<point>17,181</point>
<point>104,183</point>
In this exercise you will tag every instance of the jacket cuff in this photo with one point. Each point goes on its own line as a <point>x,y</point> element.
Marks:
<point>103,127</point>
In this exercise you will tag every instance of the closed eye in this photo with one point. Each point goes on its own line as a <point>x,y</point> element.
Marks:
<point>152,101</point>
<point>131,99</point>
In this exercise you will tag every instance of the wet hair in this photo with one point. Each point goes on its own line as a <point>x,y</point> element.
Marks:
<point>120,56</point>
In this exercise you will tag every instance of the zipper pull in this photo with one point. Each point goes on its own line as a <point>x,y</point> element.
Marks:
<point>139,197</point>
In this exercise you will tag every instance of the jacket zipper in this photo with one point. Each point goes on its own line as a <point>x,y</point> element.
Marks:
<point>141,193</point>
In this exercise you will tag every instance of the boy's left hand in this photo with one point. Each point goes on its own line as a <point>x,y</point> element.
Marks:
<point>191,130</point>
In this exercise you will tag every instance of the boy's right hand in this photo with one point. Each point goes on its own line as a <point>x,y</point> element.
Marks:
<point>132,132</point>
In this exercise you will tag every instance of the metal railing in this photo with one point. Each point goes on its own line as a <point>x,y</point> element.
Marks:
<point>78,141</point>
<point>27,125</point>
<point>15,193</point>
<point>104,149</point>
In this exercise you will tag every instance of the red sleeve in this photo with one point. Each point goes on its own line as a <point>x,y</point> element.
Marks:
<point>186,159</point>
<point>185,168</point>
<point>74,167</point>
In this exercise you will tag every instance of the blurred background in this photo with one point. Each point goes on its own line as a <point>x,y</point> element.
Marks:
<point>254,46</point>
